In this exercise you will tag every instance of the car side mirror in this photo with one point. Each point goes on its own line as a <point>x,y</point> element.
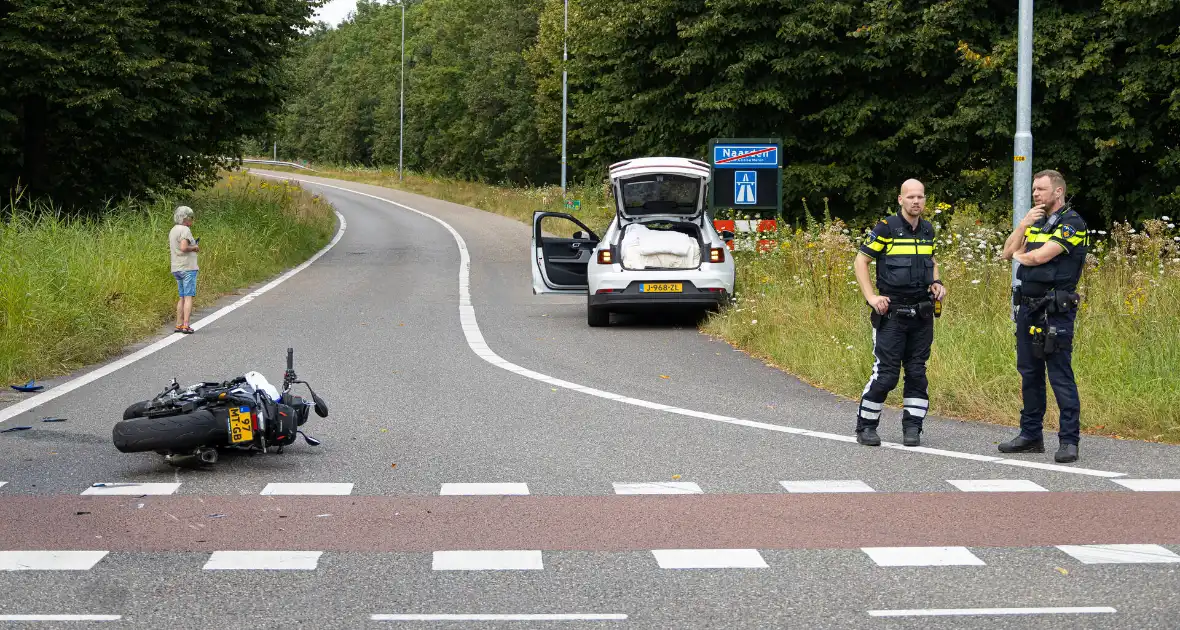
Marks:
<point>582,235</point>
<point>726,235</point>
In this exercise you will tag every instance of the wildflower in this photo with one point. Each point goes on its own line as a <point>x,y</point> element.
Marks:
<point>1166,218</point>
<point>1132,230</point>
<point>1102,232</point>
<point>1171,225</point>
<point>975,282</point>
<point>753,321</point>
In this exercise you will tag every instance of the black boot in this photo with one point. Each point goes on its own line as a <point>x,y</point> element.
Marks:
<point>868,436</point>
<point>1066,453</point>
<point>1021,444</point>
<point>911,436</point>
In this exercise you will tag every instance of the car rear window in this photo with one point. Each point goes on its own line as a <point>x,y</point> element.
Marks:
<point>661,194</point>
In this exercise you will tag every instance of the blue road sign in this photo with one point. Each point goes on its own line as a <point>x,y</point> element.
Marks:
<point>745,188</point>
<point>745,155</point>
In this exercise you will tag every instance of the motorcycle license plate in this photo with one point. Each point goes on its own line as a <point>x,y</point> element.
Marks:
<point>241,427</point>
<point>663,287</point>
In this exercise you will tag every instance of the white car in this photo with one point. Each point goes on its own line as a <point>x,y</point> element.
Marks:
<point>660,252</point>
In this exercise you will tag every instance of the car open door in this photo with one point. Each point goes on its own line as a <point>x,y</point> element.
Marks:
<point>560,263</point>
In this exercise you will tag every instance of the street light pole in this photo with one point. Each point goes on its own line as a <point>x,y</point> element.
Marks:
<point>564,92</point>
<point>401,110</point>
<point>1022,144</point>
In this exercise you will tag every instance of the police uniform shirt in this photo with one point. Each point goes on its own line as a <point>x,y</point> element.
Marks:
<point>904,255</point>
<point>1067,228</point>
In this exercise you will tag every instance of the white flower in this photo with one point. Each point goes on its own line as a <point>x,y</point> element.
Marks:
<point>974,282</point>
<point>847,347</point>
<point>1171,225</point>
<point>938,212</point>
<point>982,245</point>
<point>1132,230</point>
<point>1166,218</point>
<point>1102,232</point>
<point>753,321</point>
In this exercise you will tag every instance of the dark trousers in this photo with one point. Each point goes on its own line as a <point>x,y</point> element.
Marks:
<point>1059,366</point>
<point>898,342</point>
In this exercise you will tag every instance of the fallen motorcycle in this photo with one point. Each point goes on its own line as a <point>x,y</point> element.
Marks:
<point>245,413</point>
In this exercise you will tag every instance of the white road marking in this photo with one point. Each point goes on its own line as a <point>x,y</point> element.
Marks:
<point>1120,554</point>
<point>458,489</point>
<point>1150,485</point>
<point>491,617</point>
<point>922,556</point>
<point>827,485</point>
<point>658,487</point>
<point>3,483</point>
<point>942,612</point>
<point>50,560</point>
<point>709,559</point>
<point>996,485</point>
<point>488,560</point>
<point>479,346</point>
<point>131,488</point>
<point>336,489</point>
<point>35,401</point>
<point>263,560</point>
<point>60,617</point>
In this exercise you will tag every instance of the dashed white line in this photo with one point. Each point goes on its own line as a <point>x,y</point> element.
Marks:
<point>39,399</point>
<point>462,489</point>
<point>334,489</point>
<point>1120,554</point>
<point>494,617</point>
<point>488,560</point>
<point>478,345</point>
<point>658,487</point>
<point>60,617</point>
<point>922,556</point>
<point>1150,485</point>
<point>826,485</point>
<point>263,561</point>
<point>996,485</point>
<point>131,488</point>
<point>50,560</point>
<point>709,559</point>
<point>959,612</point>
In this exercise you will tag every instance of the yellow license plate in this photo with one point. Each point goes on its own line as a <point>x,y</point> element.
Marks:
<point>663,287</point>
<point>241,427</point>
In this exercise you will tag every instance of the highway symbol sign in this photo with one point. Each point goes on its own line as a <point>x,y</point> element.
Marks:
<point>745,188</point>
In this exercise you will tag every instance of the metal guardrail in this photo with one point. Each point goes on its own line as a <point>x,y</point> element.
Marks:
<point>277,163</point>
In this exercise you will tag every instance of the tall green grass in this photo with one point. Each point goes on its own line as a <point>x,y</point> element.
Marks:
<point>798,308</point>
<point>74,292</point>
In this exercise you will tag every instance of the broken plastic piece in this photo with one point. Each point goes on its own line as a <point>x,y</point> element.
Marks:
<point>11,429</point>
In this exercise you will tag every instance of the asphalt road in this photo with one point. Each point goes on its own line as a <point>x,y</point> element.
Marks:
<point>517,390</point>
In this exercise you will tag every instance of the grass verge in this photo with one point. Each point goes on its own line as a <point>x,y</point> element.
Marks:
<point>75,292</point>
<point>798,309</point>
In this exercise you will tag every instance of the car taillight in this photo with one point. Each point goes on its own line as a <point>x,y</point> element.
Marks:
<point>716,255</point>
<point>254,420</point>
<point>608,291</point>
<point>605,257</point>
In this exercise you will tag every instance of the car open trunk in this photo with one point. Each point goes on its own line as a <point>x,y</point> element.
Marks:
<point>661,245</point>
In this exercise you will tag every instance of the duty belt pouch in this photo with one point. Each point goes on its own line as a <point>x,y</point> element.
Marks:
<point>926,310</point>
<point>875,318</point>
<point>1065,302</point>
<point>1038,343</point>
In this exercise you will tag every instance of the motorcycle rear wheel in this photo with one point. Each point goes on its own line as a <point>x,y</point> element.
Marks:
<point>180,433</point>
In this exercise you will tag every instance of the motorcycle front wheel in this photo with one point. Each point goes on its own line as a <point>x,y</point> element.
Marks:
<point>181,433</point>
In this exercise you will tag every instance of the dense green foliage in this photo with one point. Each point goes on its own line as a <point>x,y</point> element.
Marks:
<point>863,93</point>
<point>113,98</point>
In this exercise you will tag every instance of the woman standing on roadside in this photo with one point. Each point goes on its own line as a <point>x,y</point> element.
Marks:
<point>184,248</point>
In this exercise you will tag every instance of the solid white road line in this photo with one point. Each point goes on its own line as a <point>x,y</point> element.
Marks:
<point>35,401</point>
<point>488,560</point>
<point>461,489</point>
<point>1150,485</point>
<point>336,489</point>
<point>492,617</point>
<point>996,485</point>
<point>941,612</point>
<point>709,559</point>
<point>263,560</point>
<point>827,485</point>
<point>131,488</point>
<point>658,487</point>
<point>60,617</point>
<point>922,556</point>
<point>1120,554</point>
<point>50,560</point>
<point>479,346</point>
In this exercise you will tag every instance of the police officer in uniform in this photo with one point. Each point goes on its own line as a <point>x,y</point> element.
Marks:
<point>1050,245</point>
<point>902,313</point>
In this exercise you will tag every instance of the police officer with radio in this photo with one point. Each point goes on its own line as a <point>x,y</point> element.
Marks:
<point>907,298</point>
<point>1050,246</point>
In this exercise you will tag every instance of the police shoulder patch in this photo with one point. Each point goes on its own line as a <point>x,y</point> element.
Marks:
<point>1068,230</point>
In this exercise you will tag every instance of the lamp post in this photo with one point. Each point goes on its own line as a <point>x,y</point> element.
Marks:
<point>564,92</point>
<point>401,110</point>
<point>1022,144</point>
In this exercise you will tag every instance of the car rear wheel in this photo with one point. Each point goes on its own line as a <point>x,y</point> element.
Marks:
<point>597,317</point>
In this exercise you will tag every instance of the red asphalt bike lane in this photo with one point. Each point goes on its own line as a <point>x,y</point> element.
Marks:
<point>591,523</point>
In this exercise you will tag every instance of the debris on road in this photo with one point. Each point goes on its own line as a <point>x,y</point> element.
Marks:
<point>11,429</point>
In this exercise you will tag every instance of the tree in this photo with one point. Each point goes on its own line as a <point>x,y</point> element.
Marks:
<point>112,98</point>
